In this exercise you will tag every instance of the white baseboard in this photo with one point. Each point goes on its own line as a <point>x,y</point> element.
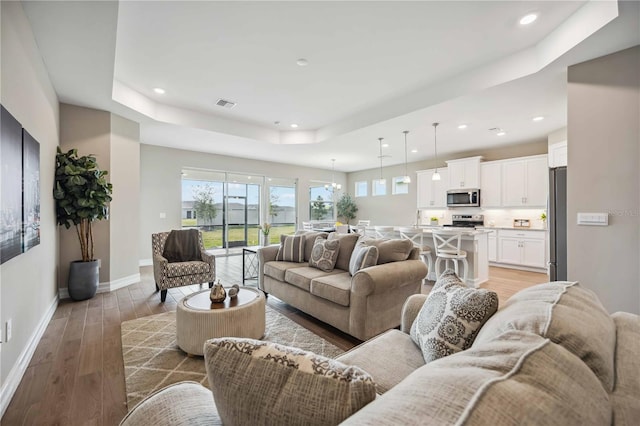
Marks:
<point>519,267</point>
<point>17,372</point>
<point>145,262</point>
<point>106,287</point>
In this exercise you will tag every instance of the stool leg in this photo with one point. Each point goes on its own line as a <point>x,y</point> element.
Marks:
<point>438,260</point>
<point>455,266</point>
<point>466,269</point>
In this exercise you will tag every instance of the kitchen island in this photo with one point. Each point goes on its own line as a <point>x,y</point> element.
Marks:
<point>474,242</point>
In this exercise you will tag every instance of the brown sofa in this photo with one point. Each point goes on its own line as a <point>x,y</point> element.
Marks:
<point>363,305</point>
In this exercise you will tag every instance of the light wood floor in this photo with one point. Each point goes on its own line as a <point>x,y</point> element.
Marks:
<point>76,376</point>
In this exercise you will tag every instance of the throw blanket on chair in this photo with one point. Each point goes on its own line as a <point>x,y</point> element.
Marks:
<point>182,246</point>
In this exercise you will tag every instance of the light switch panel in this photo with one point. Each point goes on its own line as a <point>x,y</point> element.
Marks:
<point>163,215</point>
<point>593,219</point>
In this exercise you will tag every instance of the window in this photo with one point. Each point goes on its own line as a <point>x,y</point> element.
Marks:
<point>320,203</point>
<point>361,189</point>
<point>399,186</point>
<point>378,187</point>
<point>281,212</point>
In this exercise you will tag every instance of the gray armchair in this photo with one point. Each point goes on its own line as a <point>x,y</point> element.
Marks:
<point>177,274</point>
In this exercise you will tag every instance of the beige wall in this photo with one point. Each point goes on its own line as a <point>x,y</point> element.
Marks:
<point>124,211</point>
<point>402,209</point>
<point>603,175</point>
<point>89,131</point>
<point>28,282</point>
<point>160,184</point>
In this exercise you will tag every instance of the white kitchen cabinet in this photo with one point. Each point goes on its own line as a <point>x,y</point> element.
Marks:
<point>525,182</point>
<point>525,248</point>
<point>464,173</point>
<point>432,193</point>
<point>558,154</point>
<point>491,184</point>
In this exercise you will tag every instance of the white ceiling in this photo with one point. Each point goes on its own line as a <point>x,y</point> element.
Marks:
<point>375,69</point>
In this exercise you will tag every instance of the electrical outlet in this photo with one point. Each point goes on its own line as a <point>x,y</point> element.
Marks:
<point>8,333</point>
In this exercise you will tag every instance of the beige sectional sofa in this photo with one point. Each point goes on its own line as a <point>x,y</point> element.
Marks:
<point>362,305</point>
<point>552,355</point>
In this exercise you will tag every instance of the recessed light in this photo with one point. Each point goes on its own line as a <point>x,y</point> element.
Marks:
<point>528,19</point>
<point>502,133</point>
<point>385,145</point>
<point>294,125</point>
<point>414,151</point>
<point>538,118</point>
<point>302,62</point>
<point>462,126</point>
<point>159,90</point>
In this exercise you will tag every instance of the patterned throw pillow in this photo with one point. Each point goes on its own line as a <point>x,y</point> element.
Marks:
<point>291,248</point>
<point>362,257</point>
<point>324,254</point>
<point>451,317</point>
<point>256,382</point>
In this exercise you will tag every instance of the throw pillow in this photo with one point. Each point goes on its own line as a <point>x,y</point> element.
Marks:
<point>347,243</point>
<point>362,257</point>
<point>395,250</point>
<point>291,248</point>
<point>257,382</point>
<point>324,254</point>
<point>451,317</point>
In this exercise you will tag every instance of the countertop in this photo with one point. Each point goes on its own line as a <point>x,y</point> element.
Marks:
<point>489,228</point>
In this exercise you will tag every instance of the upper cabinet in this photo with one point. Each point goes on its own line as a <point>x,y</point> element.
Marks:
<point>432,193</point>
<point>558,154</point>
<point>464,173</point>
<point>525,182</point>
<point>491,184</point>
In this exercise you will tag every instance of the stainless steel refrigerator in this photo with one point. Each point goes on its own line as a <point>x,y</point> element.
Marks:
<point>557,218</point>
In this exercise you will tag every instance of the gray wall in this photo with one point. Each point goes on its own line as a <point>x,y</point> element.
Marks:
<point>402,209</point>
<point>603,175</point>
<point>28,282</point>
<point>161,190</point>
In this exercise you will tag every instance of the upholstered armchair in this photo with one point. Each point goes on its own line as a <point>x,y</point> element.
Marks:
<point>176,274</point>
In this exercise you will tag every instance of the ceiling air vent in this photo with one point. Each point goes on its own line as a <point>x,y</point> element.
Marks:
<point>225,103</point>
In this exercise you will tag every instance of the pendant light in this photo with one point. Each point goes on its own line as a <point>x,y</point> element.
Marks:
<point>333,185</point>
<point>381,181</point>
<point>436,175</point>
<point>405,178</point>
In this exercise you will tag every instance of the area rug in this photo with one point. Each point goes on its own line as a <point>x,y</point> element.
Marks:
<point>153,360</point>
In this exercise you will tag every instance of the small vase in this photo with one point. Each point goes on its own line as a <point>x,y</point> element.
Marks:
<point>264,241</point>
<point>218,293</point>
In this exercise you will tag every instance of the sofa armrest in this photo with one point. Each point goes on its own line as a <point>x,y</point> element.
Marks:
<point>410,311</point>
<point>386,277</point>
<point>265,254</point>
<point>180,404</point>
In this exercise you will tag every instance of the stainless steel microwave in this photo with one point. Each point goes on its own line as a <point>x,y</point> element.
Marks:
<point>463,198</point>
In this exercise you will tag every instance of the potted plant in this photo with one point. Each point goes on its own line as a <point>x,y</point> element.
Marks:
<point>82,194</point>
<point>434,221</point>
<point>265,229</point>
<point>347,208</point>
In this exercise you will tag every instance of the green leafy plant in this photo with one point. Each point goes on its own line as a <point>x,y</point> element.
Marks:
<point>543,216</point>
<point>82,195</point>
<point>203,203</point>
<point>347,208</point>
<point>319,209</point>
<point>434,219</point>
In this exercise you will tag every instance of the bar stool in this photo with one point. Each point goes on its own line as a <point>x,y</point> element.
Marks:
<point>416,235</point>
<point>447,244</point>
<point>385,232</point>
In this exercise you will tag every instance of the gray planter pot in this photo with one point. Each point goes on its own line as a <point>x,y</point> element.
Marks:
<point>83,279</point>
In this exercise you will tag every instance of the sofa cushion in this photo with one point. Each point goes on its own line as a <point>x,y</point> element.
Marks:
<point>309,239</point>
<point>389,250</point>
<point>255,382</point>
<point>301,277</point>
<point>335,288</point>
<point>277,269</point>
<point>567,314</point>
<point>363,256</point>
<point>291,248</point>
<point>347,243</point>
<point>626,393</point>
<point>451,317</point>
<point>180,269</point>
<point>518,379</point>
<point>324,254</point>
<point>388,357</point>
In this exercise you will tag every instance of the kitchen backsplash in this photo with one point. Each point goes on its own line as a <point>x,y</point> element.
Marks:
<point>492,217</point>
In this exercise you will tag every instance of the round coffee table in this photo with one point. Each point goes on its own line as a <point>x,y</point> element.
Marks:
<point>198,319</point>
